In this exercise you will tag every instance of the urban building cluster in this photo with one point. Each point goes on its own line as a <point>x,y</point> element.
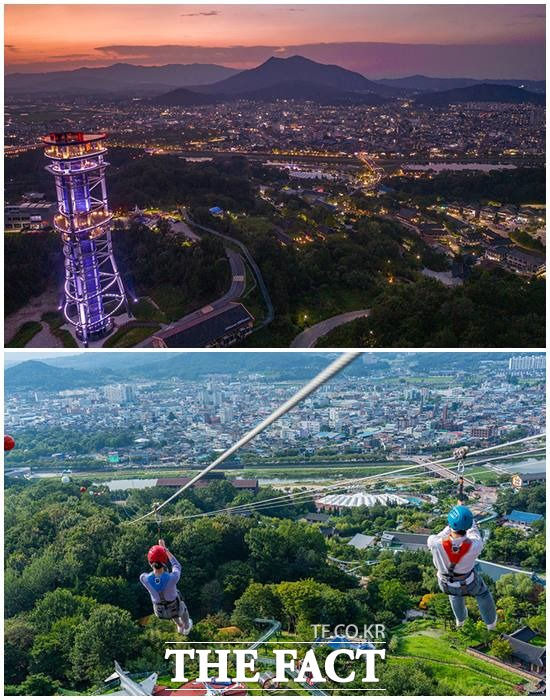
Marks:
<point>183,422</point>
<point>401,129</point>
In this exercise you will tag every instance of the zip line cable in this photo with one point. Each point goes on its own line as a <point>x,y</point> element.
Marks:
<point>337,366</point>
<point>282,505</point>
<point>304,497</point>
<point>318,491</point>
<point>298,500</point>
<point>376,476</point>
<point>368,478</point>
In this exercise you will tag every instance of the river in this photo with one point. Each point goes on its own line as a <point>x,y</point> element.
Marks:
<point>440,167</point>
<point>526,466</point>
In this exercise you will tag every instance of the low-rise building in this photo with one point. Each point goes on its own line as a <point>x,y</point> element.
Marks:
<point>32,216</point>
<point>521,519</point>
<point>404,540</point>
<point>360,541</point>
<point>217,328</point>
<point>529,656</point>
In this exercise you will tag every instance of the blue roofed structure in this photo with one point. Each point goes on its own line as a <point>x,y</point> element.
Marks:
<point>341,642</point>
<point>521,517</point>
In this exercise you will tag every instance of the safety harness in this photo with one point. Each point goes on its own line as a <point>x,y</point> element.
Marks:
<point>164,609</point>
<point>454,554</point>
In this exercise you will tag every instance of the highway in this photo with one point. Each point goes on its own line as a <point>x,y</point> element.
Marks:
<point>310,336</point>
<point>354,159</point>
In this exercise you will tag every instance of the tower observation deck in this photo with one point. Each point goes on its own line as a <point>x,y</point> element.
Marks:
<point>93,288</point>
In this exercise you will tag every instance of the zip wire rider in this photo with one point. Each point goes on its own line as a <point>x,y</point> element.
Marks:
<point>460,454</point>
<point>162,587</point>
<point>454,551</point>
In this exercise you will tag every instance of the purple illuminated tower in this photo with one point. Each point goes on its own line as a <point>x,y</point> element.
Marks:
<point>93,288</point>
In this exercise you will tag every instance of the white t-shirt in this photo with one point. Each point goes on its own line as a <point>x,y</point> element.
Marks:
<point>467,563</point>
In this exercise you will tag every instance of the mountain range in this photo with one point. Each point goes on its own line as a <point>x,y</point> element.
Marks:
<point>301,78</point>
<point>424,83</point>
<point>277,78</point>
<point>482,93</point>
<point>98,369</point>
<point>116,79</point>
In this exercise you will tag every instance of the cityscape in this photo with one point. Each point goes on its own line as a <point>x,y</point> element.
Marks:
<point>303,204</point>
<point>274,350</point>
<point>178,423</point>
<point>333,502</point>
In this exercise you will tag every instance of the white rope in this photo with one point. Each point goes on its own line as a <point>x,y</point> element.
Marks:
<point>299,499</point>
<point>304,498</point>
<point>313,492</point>
<point>422,467</point>
<point>335,367</point>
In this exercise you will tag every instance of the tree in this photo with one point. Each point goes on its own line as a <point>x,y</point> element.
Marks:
<point>116,591</point>
<point>394,597</point>
<point>508,608</point>
<point>306,602</point>
<point>211,597</point>
<point>404,678</point>
<point>288,551</point>
<point>108,634</point>
<point>44,573</point>
<point>259,600</point>
<point>58,604</point>
<point>518,586</point>
<point>37,684</point>
<point>50,652</point>
<point>500,648</point>
<point>425,601</point>
<point>234,577</point>
<point>19,635</point>
<point>440,607</point>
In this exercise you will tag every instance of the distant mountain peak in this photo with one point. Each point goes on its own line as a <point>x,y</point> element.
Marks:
<point>277,70</point>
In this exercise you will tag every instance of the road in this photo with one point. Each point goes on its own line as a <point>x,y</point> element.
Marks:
<point>275,157</point>
<point>310,336</point>
<point>254,267</point>
<point>235,291</point>
<point>440,470</point>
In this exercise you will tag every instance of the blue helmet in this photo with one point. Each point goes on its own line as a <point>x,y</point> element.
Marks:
<point>460,518</point>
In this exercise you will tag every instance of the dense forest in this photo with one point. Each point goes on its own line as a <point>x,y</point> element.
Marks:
<point>74,603</point>
<point>32,261</point>
<point>491,309</point>
<point>178,277</point>
<point>152,263</point>
<point>514,186</point>
<point>341,273</point>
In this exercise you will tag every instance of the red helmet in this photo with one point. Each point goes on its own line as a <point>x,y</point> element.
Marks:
<point>9,443</point>
<point>157,553</point>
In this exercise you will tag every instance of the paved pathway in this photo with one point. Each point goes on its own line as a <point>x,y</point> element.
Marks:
<point>235,291</point>
<point>310,336</point>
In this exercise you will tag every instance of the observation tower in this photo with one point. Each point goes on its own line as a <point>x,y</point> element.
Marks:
<point>93,288</point>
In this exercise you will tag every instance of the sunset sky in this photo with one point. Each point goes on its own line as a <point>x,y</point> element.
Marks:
<point>377,40</point>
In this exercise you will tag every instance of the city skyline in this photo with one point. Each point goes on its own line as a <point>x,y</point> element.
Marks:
<point>486,41</point>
